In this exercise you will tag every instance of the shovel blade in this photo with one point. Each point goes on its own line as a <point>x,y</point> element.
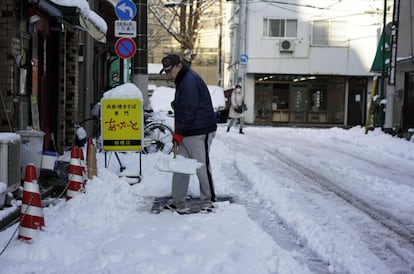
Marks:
<point>178,164</point>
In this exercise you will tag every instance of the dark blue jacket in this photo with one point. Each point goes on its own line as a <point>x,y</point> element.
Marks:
<point>193,110</point>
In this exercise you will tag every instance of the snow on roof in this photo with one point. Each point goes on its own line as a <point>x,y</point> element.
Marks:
<point>85,11</point>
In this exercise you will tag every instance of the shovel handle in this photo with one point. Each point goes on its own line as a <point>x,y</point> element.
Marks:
<point>175,148</point>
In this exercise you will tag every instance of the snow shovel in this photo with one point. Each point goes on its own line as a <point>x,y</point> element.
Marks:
<point>178,164</point>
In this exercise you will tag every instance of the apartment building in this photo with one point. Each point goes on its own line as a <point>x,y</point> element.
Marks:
<point>304,62</point>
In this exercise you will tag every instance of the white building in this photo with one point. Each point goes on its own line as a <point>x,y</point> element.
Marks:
<point>304,62</point>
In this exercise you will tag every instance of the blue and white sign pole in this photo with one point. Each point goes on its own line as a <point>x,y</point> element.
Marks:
<point>125,10</point>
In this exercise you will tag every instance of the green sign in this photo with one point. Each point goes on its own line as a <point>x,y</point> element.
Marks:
<point>377,65</point>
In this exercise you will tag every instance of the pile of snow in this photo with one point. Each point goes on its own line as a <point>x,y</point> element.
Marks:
<point>125,91</point>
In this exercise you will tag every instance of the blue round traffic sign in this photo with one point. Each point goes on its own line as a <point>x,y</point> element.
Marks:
<point>125,9</point>
<point>244,58</point>
<point>125,47</point>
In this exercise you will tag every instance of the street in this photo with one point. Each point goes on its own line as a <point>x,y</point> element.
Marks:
<point>329,189</point>
<point>306,200</point>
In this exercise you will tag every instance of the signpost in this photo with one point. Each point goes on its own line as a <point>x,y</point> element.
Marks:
<point>125,28</point>
<point>125,47</point>
<point>122,120</point>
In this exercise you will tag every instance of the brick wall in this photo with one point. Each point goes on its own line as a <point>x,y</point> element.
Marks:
<point>9,49</point>
<point>68,90</point>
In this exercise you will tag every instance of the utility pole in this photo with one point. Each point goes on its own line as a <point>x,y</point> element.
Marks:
<point>88,65</point>
<point>383,72</point>
<point>236,41</point>
<point>140,60</point>
<point>220,46</point>
<point>389,111</point>
<point>243,47</point>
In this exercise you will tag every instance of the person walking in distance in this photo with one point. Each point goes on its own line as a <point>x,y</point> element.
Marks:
<point>195,128</point>
<point>236,108</point>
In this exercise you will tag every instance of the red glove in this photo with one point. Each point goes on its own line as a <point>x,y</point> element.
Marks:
<point>178,138</point>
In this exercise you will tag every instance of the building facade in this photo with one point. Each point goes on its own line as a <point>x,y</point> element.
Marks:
<point>400,89</point>
<point>41,56</point>
<point>304,64</point>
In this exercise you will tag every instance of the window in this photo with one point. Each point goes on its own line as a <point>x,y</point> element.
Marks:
<point>280,27</point>
<point>329,33</point>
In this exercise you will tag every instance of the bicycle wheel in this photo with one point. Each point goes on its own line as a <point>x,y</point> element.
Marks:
<point>157,137</point>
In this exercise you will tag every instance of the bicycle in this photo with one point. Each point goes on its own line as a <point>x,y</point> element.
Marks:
<point>157,135</point>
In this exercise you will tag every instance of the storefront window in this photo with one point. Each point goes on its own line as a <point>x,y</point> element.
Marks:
<point>263,102</point>
<point>318,99</point>
<point>300,99</point>
<point>336,100</point>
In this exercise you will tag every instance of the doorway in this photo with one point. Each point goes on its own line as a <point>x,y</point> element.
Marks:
<point>408,107</point>
<point>356,101</point>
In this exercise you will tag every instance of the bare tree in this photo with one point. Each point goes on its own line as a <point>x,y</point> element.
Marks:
<point>182,20</point>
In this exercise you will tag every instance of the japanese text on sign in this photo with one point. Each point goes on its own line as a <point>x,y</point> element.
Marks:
<point>125,28</point>
<point>122,124</point>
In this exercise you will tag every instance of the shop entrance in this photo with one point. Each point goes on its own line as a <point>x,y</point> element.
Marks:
<point>407,111</point>
<point>301,100</point>
<point>356,101</point>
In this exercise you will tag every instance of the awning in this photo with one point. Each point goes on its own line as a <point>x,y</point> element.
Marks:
<point>93,28</point>
<point>377,64</point>
<point>80,17</point>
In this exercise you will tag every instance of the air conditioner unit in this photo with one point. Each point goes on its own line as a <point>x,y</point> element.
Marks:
<point>10,173</point>
<point>287,45</point>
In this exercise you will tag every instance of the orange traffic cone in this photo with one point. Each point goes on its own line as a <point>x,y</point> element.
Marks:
<point>91,159</point>
<point>31,214</point>
<point>76,173</point>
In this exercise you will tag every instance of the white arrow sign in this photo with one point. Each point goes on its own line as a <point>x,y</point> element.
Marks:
<point>125,28</point>
<point>125,9</point>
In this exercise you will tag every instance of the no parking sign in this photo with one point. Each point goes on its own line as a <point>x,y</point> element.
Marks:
<point>125,47</point>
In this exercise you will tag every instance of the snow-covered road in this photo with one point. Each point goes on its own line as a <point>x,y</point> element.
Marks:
<point>342,188</point>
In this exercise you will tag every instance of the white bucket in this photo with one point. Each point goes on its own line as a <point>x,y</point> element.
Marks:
<point>49,160</point>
